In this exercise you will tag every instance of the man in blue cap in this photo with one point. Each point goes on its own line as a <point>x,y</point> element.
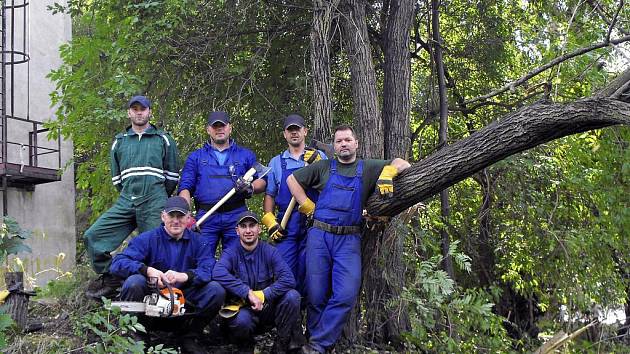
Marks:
<point>211,172</point>
<point>291,240</point>
<point>176,254</point>
<point>257,279</point>
<point>145,170</point>
<point>333,246</point>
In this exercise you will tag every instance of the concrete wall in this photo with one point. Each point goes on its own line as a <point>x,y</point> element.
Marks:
<point>49,210</point>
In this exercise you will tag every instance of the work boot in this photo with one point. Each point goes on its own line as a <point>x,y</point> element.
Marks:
<point>281,345</point>
<point>245,347</point>
<point>309,349</point>
<point>189,345</point>
<point>105,285</point>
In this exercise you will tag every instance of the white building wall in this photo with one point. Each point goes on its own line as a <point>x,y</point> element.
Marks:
<point>49,210</point>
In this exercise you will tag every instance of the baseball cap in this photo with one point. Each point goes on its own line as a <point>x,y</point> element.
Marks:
<point>142,100</point>
<point>178,204</point>
<point>218,116</point>
<point>247,215</point>
<point>293,119</point>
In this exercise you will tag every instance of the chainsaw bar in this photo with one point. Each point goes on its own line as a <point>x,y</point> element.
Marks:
<point>130,306</point>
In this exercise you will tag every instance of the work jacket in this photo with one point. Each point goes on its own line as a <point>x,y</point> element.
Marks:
<point>144,164</point>
<point>238,271</point>
<point>156,248</point>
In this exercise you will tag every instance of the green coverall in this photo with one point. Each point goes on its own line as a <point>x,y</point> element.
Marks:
<point>145,170</point>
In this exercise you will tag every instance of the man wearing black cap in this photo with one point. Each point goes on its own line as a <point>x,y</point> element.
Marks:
<point>145,170</point>
<point>255,276</point>
<point>176,254</point>
<point>211,172</point>
<point>292,241</point>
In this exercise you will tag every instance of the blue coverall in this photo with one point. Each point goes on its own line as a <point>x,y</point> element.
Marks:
<point>191,254</point>
<point>292,247</point>
<point>238,271</point>
<point>209,174</point>
<point>333,262</point>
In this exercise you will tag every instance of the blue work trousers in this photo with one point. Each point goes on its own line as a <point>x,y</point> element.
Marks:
<point>292,248</point>
<point>221,226</point>
<point>284,313</point>
<point>333,281</point>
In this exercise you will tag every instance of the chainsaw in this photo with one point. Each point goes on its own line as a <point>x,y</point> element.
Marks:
<point>166,302</point>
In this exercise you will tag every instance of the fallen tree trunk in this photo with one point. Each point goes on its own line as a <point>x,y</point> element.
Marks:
<point>524,129</point>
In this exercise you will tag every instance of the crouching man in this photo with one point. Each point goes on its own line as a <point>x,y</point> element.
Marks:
<point>260,290</point>
<point>181,257</point>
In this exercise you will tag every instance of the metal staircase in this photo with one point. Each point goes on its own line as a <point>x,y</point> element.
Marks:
<point>23,140</point>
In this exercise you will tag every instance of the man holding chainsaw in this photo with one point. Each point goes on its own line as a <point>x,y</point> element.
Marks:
<point>333,247</point>
<point>260,290</point>
<point>212,172</point>
<point>145,170</point>
<point>290,238</point>
<point>174,254</point>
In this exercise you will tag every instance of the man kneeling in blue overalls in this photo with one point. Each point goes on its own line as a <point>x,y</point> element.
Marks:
<point>183,258</point>
<point>333,245</point>
<point>260,290</point>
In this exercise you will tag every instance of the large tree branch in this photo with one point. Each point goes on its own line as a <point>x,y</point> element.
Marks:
<point>524,129</point>
<point>540,69</point>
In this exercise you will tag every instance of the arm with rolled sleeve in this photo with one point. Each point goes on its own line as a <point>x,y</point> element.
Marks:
<point>223,274</point>
<point>132,260</point>
<point>284,280</point>
<point>171,165</point>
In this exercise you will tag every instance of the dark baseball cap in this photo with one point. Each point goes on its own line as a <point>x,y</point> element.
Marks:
<point>247,215</point>
<point>141,100</point>
<point>218,116</point>
<point>294,119</point>
<point>178,204</point>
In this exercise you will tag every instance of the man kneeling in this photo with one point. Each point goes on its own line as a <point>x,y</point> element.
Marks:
<point>260,290</point>
<point>182,258</point>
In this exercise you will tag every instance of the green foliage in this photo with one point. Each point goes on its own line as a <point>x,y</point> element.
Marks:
<point>447,318</point>
<point>5,324</point>
<point>112,328</point>
<point>12,238</point>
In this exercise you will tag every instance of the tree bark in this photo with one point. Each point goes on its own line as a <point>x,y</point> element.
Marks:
<point>366,112</point>
<point>383,266</point>
<point>521,130</point>
<point>320,68</point>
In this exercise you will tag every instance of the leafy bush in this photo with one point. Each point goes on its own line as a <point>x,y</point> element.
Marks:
<point>112,327</point>
<point>12,238</point>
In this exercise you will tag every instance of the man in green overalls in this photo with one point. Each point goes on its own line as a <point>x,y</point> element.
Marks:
<point>145,170</point>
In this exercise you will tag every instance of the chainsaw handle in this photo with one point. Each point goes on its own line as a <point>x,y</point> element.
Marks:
<point>170,293</point>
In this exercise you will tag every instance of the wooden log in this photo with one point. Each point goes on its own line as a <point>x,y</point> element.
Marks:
<point>16,303</point>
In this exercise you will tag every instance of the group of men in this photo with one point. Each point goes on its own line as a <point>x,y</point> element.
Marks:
<point>253,285</point>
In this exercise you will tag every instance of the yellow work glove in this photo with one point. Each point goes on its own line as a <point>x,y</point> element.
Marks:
<point>311,155</point>
<point>385,184</point>
<point>228,311</point>
<point>259,294</point>
<point>276,232</point>
<point>307,208</point>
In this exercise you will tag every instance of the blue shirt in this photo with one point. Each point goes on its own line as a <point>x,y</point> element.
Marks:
<point>273,177</point>
<point>156,248</point>
<point>238,271</point>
